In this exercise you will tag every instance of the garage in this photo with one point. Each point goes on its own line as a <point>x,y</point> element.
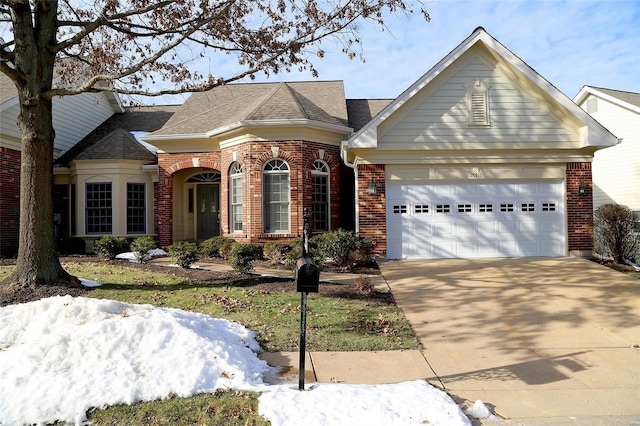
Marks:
<point>475,219</point>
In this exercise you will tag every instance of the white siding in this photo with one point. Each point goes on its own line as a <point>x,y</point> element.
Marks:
<point>440,117</point>
<point>616,170</point>
<point>74,117</point>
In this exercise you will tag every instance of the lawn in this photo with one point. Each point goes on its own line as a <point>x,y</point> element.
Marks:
<point>339,318</point>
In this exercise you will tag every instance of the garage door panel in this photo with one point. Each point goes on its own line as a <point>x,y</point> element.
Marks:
<point>480,219</point>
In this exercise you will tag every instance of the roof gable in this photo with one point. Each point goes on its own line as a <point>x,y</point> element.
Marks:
<point>117,145</point>
<point>526,78</point>
<point>628,100</point>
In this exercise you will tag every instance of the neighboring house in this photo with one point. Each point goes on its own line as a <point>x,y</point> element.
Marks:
<point>616,170</point>
<point>73,118</point>
<point>481,157</point>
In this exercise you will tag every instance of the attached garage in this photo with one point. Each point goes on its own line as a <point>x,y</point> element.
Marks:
<point>479,219</point>
<point>481,157</point>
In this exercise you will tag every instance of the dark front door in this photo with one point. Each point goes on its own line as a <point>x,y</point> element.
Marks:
<point>208,211</point>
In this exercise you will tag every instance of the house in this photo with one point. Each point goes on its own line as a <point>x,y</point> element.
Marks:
<point>616,170</point>
<point>480,157</point>
<point>73,117</point>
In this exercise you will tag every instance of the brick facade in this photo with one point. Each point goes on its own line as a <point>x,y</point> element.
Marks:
<point>9,201</point>
<point>579,207</point>
<point>372,215</point>
<point>299,155</point>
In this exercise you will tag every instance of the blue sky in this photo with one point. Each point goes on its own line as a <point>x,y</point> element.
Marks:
<point>571,43</point>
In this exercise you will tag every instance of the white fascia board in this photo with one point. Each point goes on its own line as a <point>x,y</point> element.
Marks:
<point>588,90</point>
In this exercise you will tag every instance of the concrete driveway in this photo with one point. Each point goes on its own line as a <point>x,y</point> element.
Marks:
<point>543,339</point>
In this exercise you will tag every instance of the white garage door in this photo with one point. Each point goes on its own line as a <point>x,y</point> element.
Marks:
<point>467,220</point>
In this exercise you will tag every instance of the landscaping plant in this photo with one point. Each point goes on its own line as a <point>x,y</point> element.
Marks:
<point>242,255</point>
<point>211,247</point>
<point>185,253</point>
<point>141,247</point>
<point>614,233</point>
<point>107,246</point>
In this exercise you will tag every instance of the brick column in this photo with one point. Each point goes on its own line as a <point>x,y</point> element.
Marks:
<point>372,215</point>
<point>579,207</point>
<point>164,196</point>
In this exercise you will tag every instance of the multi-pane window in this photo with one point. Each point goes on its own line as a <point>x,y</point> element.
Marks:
<point>421,208</point>
<point>136,211</point>
<point>99,215</point>
<point>464,208</point>
<point>443,208</point>
<point>485,208</point>
<point>527,207</point>
<point>548,207</point>
<point>320,196</point>
<point>401,209</point>
<point>506,207</point>
<point>275,187</point>
<point>235,197</point>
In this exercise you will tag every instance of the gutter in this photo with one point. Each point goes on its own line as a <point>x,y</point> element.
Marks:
<point>343,154</point>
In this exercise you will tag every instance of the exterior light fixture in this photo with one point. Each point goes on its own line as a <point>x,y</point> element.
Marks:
<point>582,187</point>
<point>372,188</point>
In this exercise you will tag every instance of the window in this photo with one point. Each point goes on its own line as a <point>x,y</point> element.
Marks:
<point>401,209</point>
<point>421,208</point>
<point>636,219</point>
<point>443,208</point>
<point>464,208</point>
<point>136,211</point>
<point>320,196</point>
<point>548,207</point>
<point>527,207</point>
<point>275,187</point>
<point>235,197</point>
<point>98,208</point>
<point>485,208</point>
<point>506,207</point>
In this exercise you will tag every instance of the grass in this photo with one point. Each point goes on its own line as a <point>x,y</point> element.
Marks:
<point>333,324</point>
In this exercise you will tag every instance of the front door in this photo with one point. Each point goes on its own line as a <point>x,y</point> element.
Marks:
<point>208,211</point>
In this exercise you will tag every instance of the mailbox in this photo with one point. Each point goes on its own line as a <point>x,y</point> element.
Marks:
<point>307,275</point>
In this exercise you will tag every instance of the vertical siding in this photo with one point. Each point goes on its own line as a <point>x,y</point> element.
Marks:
<point>441,116</point>
<point>616,170</point>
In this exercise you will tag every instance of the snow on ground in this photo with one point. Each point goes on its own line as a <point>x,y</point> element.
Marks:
<point>62,355</point>
<point>131,256</point>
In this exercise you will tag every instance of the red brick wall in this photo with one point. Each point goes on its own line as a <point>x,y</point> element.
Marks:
<point>300,156</point>
<point>372,216</point>
<point>579,207</point>
<point>9,201</point>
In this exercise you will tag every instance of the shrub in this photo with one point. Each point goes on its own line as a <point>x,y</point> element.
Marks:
<point>107,246</point>
<point>185,253</point>
<point>242,255</point>
<point>337,244</point>
<point>359,257</point>
<point>614,234</point>
<point>276,251</point>
<point>225,249</point>
<point>211,246</point>
<point>363,285</point>
<point>141,247</point>
<point>295,253</point>
<point>71,245</point>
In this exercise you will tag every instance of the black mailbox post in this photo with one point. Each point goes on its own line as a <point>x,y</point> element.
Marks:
<point>307,281</point>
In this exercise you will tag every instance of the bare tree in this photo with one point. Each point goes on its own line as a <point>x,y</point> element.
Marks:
<point>122,46</point>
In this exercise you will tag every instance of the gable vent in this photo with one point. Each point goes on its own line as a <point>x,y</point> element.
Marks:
<point>478,103</point>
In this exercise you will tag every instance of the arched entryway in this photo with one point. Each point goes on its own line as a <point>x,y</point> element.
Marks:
<point>206,186</point>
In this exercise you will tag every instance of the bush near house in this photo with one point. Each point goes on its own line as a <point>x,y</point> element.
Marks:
<point>242,255</point>
<point>614,234</point>
<point>336,245</point>
<point>108,246</point>
<point>225,249</point>
<point>211,247</point>
<point>141,247</point>
<point>276,251</point>
<point>184,253</point>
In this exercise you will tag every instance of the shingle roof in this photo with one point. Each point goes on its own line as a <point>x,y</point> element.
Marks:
<point>362,110</point>
<point>322,101</point>
<point>629,97</point>
<point>117,145</point>
<point>143,119</point>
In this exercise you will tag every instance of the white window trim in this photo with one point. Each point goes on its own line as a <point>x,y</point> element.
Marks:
<point>326,172</point>
<point>235,172</point>
<point>280,171</point>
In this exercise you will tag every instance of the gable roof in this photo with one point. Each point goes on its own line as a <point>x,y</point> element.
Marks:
<point>591,133</point>
<point>143,119</point>
<point>629,100</point>
<point>117,145</point>
<point>230,106</point>
<point>361,111</point>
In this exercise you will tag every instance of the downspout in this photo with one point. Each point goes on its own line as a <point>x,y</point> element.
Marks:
<point>343,154</point>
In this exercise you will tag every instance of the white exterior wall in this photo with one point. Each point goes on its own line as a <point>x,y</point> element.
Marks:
<point>438,118</point>
<point>74,117</point>
<point>616,170</point>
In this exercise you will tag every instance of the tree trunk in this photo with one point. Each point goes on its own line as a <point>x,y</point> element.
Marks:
<point>37,264</point>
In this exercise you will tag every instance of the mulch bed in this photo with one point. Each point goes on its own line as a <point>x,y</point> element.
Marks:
<point>203,277</point>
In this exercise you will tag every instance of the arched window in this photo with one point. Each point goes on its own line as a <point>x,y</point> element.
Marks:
<point>275,196</point>
<point>320,196</point>
<point>235,197</point>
